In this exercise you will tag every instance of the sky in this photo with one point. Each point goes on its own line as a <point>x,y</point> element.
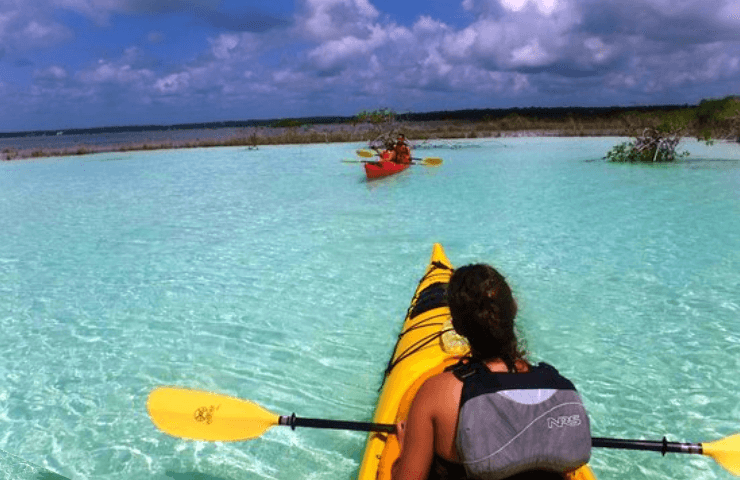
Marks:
<point>94,63</point>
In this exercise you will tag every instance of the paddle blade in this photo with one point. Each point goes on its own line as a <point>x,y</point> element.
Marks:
<point>366,153</point>
<point>432,161</point>
<point>207,416</point>
<point>726,452</point>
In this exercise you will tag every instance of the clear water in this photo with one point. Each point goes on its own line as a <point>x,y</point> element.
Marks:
<point>282,276</point>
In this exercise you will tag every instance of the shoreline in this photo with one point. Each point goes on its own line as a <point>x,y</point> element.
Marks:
<point>254,137</point>
<point>717,120</point>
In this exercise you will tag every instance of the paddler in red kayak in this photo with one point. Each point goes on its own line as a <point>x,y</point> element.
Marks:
<point>389,154</point>
<point>401,150</point>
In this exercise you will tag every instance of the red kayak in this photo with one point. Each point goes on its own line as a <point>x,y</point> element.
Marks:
<point>384,168</point>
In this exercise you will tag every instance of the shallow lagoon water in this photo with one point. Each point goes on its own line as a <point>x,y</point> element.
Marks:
<point>281,276</point>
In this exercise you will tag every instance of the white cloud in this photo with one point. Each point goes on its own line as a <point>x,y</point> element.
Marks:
<point>730,12</point>
<point>28,34</point>
<point>98,10</point>
<point>427,25</point>
<point>545,7</point>
<point>175,83</point>
<point>223,45</point>
<point>53,72</point>
<point>599,52</point>
<point>327,19</point>
<point>117,72</point>
<point>530,55</point>
<point>333,53</point>
<point>234,47</point>
<point>459,44</point>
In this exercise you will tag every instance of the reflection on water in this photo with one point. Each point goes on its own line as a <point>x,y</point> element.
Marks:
<point>13,467</point>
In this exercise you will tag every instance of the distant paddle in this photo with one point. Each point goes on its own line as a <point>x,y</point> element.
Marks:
<point>199,415</point>
<point>366,153</point>
<point>427,162</point>
<point>359,161</point>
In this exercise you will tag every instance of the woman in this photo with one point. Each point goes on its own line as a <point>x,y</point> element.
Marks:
<point>389,154</point>
<point>401,150</point>
<point>439,438</point>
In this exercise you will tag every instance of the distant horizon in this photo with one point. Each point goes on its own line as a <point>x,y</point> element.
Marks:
<point>433,115</point>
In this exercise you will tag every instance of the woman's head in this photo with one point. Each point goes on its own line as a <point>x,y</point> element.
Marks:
<point>483,310</point>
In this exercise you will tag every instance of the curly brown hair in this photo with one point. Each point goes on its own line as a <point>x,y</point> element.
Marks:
<point>483,310</point>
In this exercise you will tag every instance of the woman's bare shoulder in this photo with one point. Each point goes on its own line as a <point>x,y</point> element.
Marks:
<point>441,383</point>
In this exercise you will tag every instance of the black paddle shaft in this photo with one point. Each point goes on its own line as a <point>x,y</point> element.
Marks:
<point>663,446</point>
<point>292,421</point>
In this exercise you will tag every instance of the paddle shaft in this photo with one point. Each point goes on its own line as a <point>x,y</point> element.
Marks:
<point>662,446</point>
<point>292,421</point>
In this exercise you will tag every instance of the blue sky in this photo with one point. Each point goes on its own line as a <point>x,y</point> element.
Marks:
<point>88,63</point>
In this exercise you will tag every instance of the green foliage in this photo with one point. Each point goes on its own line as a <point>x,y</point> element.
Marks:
<point>376,117</point>
<point>653,146</point>
<point>286,123</point>
<point>718,110</point>
<point>718,118</point>
<point>675,122</point>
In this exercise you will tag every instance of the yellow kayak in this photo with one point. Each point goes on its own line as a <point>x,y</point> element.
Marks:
<point>426,346</point>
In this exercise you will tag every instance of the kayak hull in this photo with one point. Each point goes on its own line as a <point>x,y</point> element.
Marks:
<point>384,169</point>
<point>426,346</point>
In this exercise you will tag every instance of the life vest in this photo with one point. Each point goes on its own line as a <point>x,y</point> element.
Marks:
<point>515,422</point>
<point>403,154</point>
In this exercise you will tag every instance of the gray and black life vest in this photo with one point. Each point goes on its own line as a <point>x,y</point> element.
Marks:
<point>515,422</point>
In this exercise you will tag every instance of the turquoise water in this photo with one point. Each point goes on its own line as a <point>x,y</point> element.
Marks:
<point>282,276</point>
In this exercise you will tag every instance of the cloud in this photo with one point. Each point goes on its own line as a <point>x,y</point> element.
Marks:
<point>24,27</point>
<point>122,72</point>
<point>175,83</point>
<point>236,46</point>
<point>53,73</point>
<point>335,53</point>
<point>332,19</point>
<point>545,7</point>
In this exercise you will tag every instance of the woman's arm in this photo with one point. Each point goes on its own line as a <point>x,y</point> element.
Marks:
<point>416,438</point>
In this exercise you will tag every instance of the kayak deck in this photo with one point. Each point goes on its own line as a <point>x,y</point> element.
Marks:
<point>426,345</point>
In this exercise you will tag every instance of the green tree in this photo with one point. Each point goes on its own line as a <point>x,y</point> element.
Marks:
<point>718,118</point>
<point>652,146</point>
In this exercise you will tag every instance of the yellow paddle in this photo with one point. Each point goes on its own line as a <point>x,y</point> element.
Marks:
<point>199,415</point>
<point>427,162</point>
<point>726,451</point>
<point>366,153</point>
